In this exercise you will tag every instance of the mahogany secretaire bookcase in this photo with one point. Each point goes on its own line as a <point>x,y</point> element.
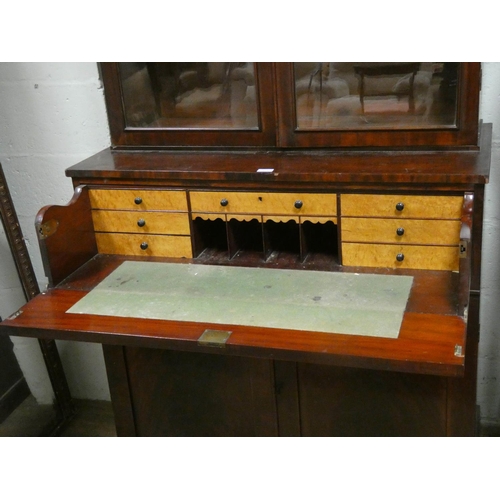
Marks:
<point>277,249</point>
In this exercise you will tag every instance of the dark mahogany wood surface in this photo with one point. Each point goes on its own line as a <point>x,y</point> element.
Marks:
<point>426,344</point>
<point>71,241</point>
<point>299,170</point>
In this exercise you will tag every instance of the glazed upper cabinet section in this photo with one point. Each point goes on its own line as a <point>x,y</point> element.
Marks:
<point>350,104</point>
<point>295,105</point>
<point>210,104</point>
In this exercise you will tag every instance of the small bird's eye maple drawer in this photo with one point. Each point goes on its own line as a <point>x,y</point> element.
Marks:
<point>401,206</point>
<point>146,245</point>
<point>407,231</point>
<point>110,221</point>
<point>437,258</point>
<point>138,199</point>
<point>263,203</point>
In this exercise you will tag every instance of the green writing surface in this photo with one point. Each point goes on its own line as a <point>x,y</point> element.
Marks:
<point>348,303</point>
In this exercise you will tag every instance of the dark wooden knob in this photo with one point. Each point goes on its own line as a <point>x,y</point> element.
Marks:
<point>224,202</point>
<point>400,231</point>
<point>142,223</point>
<point>144,246</point>
<point>138,200</point>
<point>298,204</point>
<point>400,206</point>
<point>400,257</point>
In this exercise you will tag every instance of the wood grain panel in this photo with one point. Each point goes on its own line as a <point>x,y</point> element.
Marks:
<point>124,199</point>
<point>198,394</point>
<point>338,401</point>
<point>415,257</point>
<point>264,203</point>
<point>130,244</point>
<point>127,222</point>
<point>431,207</point>
<point>420,232</point>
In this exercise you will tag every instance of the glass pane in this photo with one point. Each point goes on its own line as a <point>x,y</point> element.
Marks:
<point>348,95</point>
<point>189,95</point>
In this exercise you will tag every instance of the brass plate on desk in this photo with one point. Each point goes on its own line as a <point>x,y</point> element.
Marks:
<point>329,302</point>
<point>214,338</point>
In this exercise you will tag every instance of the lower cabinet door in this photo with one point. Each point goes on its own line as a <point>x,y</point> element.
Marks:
<point>176,393</point>
<point>338,401</point>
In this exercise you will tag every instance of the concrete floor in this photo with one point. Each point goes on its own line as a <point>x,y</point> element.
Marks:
<point>92,419</point>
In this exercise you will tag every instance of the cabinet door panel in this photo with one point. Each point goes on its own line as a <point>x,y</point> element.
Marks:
<point>172,104</point>
<point>337,401</point>
<point>196,394</point>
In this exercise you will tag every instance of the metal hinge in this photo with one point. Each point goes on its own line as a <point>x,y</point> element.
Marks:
<point>15,315</point>
<point>47,228</point>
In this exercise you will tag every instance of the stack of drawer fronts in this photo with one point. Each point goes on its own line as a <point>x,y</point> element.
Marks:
<point>392,231</point>
<point>413,232</point>
<point>141,222</point>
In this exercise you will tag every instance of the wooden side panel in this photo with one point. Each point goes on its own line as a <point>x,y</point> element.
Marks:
<point>141,222</point>
<point>264,203</point>
<point>420,207</point>
<point>462,410</point>
<point>419,232</point>
<point>66,236</point>
<point>336,401</point>
<point>414,257</point>
<point>154,245</point>
<point>128,199</point>
<point>197,394</point>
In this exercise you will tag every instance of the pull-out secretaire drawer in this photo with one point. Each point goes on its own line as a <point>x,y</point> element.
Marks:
<point>263,203</point>
<point>408,231</point>
<point>138,199</point>
<point>401,206</point>
<point>438,258</point>
<point>144,245</point>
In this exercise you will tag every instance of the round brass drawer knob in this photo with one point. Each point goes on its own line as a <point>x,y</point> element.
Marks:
<point>400,206</point>
<point>400,257</point>
<point>141,222</point>
<point>400,231</point>
<point>298,204</point>
<point>138,200</point>
<point>144,245</point>
<point>224,202</point>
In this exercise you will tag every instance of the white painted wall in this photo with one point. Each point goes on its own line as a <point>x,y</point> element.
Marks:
<point>489,346</point>
<point>52,115</point>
